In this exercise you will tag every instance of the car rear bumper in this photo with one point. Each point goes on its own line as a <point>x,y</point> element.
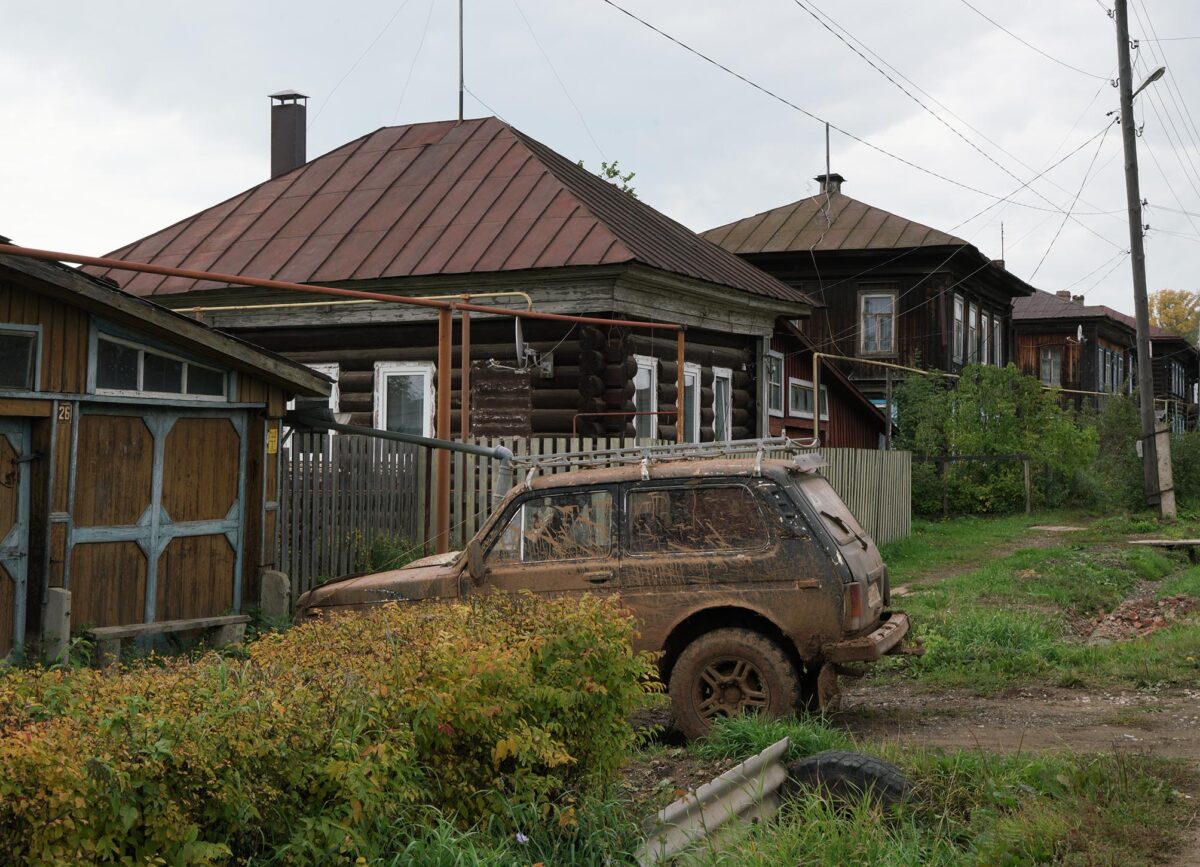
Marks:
<point>883,640</point>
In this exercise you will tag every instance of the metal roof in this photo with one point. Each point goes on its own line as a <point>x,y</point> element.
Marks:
<point>449,197</point>
<point>821,223</point>
<point>1046,305</point>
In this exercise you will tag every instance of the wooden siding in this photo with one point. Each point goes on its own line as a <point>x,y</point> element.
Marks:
<point>851,424</point>
<point>200,462</point>
<point>195,578</point>
<point>1029,357</point>
<point>113,476</point>
<point>108,584</point>
<point>64,337</point>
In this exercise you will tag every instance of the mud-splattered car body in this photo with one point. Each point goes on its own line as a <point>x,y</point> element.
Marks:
<point>691,547</point>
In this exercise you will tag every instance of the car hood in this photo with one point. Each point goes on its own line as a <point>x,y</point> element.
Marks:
<point>429,578</point>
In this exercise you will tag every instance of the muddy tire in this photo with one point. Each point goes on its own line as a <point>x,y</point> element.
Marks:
<point>847,777</point>
<point>730,671</point>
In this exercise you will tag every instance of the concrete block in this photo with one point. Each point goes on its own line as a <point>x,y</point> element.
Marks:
<point>56,626</point>
<point>275,597</point>
<point>232,633</point>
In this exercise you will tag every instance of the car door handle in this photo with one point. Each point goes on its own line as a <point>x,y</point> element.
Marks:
<point>598,577</point>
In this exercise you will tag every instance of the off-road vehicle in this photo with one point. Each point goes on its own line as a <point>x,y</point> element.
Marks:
<point>751,576</point>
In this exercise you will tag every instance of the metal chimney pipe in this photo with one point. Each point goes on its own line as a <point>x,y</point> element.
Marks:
<point>289,111</point>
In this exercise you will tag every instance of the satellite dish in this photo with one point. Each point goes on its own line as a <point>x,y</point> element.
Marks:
<point>1079,333</point>
<point>520,340</point>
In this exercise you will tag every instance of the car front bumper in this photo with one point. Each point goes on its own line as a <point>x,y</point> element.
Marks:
<point>884,639</point>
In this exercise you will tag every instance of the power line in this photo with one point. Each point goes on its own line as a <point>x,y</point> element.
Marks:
<point>361,57</point>
<point>1029,44</point>
<point>944,122</point>
<point>1181,104</point>
<point>775,96</point>
<point>558,78</point>
<point>413,65</point>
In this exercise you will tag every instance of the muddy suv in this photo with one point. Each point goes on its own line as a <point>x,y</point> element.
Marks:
<point>752,578</point>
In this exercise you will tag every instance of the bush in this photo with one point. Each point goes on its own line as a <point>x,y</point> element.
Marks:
<point>325,739</point>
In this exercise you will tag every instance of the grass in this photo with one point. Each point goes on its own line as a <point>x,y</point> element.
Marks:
<point>967,808</point>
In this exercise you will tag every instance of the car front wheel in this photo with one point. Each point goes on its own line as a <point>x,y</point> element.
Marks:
<point>727,672</point>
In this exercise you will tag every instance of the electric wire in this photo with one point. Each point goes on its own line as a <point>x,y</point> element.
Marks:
<point>562,85</point>
<point>475,97</point>
<point>1029,44</point>
<point>942,120</point>
<point>775,96</point>
<point>1172,84</point>
<point>1172,134</point>
<point>413,65</point>
<point>1162,172</point>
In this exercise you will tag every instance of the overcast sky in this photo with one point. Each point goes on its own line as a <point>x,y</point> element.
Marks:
<point>119,118</point>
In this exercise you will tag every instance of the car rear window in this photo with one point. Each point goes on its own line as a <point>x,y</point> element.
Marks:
<point>707,518</point>
<point>834,514</point>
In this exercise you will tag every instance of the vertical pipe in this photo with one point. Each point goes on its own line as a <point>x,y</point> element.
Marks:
<point>461,80</point>
<point>679,387</point>
<point>888,410</point>
<point>445,342</point>
<point>816,377</point>
<point>464,402</point>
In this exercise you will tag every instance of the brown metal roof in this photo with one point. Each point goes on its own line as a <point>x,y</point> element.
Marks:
<point>819,223</point>
<point>433,198</point>
<point>1045,305</point>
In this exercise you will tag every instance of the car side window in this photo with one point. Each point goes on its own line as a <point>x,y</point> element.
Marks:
<point>573,526</point>
<point>709,518</point>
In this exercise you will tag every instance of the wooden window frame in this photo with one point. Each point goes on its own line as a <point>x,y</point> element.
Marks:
<point>794,381</point>
<point>1056,353</point>
<point>958,329</point>
<point>768,382</point>
<point>997,341</point>
<point>863,296</point>
<point>384,369</point>
<point>23,330</point>
<point>142,348</point>
<point>692,371</point>
<point>726,412</point>
<point>985,338</point>
<point>649,364</point>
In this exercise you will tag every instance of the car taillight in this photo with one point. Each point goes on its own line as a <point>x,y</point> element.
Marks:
<point>852,605</point>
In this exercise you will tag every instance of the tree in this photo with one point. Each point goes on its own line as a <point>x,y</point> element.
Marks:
<point>611,172</point>
<point>1176,310</point>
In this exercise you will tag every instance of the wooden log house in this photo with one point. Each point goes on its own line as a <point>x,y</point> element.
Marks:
<point>137,464</point>
<point>477,208</point>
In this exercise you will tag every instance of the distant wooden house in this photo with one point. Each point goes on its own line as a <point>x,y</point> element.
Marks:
<point>1093,348</point>
<point>136,455</point>
<point>891,290</point>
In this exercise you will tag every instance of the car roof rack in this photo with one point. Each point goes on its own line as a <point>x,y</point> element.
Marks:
<point>770,447</point>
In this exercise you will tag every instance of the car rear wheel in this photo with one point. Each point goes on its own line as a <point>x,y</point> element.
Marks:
<point>727,672</point>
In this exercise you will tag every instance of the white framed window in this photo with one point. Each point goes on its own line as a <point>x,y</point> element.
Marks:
<point>985,333</point>
<point>404,397</point>
<point>800,399</point>
<point>645,397</point>
<point>956,351</point>
<point>773,387</point>
<point>722,403</point>
<point>877,323</point>
<point>972,334</point>
<point>1051,366</point>
<point>334,371</point>
<point>127,368</point>
<point>691,402</point>
<point>997,342</point>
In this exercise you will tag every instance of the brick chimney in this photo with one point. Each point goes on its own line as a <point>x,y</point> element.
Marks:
<point>1064,294</point>
<point>830,183</point>
<point>289,110</point>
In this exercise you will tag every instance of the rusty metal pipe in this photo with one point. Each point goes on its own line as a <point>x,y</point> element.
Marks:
<point>465,296</point>
<point>237,280</point>
<point>464,388</point>
<point>445,344</point>
<point>679,378</point>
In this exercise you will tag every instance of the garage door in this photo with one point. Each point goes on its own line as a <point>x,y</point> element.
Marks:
<point>157,516</point>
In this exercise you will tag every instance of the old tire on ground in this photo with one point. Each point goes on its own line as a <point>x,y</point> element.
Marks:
<point>847,777</point>
<point>730,671</point>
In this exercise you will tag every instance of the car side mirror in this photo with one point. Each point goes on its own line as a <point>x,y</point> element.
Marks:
<point>475,567</point>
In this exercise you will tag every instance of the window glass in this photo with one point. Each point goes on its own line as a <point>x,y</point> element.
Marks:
<point>116,366</point>
<point>722,404</point>
<point>203,380</point>
<point>775,384</point>
<point>972,334</point>
<point>800,398</point>
<point>405,397</point>
<point>161,374</point>
<point>957,349</point>
<point>997,343</point>
<point>985,332</point>
<point>691,406</point>
<point>1051,365</point>
<point>558,527</point>
<point>694,519</point>
<point>16,359</point>
<point>877,321</point>
<point>645,398</point>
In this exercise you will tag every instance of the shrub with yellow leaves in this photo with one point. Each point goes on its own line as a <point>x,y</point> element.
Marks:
<point>322,736</point>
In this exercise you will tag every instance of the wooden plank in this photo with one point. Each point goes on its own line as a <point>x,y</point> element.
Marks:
<point>133,630</point>
<point>26,407</point>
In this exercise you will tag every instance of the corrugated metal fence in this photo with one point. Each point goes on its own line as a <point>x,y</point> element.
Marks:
<point>335,500</point>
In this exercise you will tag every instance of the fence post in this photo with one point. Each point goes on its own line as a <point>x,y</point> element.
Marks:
<point>1028,488</point>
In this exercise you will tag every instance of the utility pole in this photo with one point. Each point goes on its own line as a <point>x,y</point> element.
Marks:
<point>1156,450</point>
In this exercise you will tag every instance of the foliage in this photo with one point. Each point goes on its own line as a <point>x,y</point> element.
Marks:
<point>1185,468</point>
<point>1118,469</point>
<point>991,411</point>
<point>611,172</point>
<point>1177,311</point>
<point>327,741</point>
<point>385,552</point>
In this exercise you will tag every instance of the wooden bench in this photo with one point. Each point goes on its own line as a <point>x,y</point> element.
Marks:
<point>227,629</point>
<point>1192,545</point>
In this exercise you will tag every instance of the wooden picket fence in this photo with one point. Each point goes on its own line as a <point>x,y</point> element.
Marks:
<point>336,500</point>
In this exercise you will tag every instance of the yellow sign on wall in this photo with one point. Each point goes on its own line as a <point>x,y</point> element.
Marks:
<point>272,440</point>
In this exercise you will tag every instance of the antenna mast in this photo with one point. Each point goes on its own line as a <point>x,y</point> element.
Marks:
<point>461,85</point>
